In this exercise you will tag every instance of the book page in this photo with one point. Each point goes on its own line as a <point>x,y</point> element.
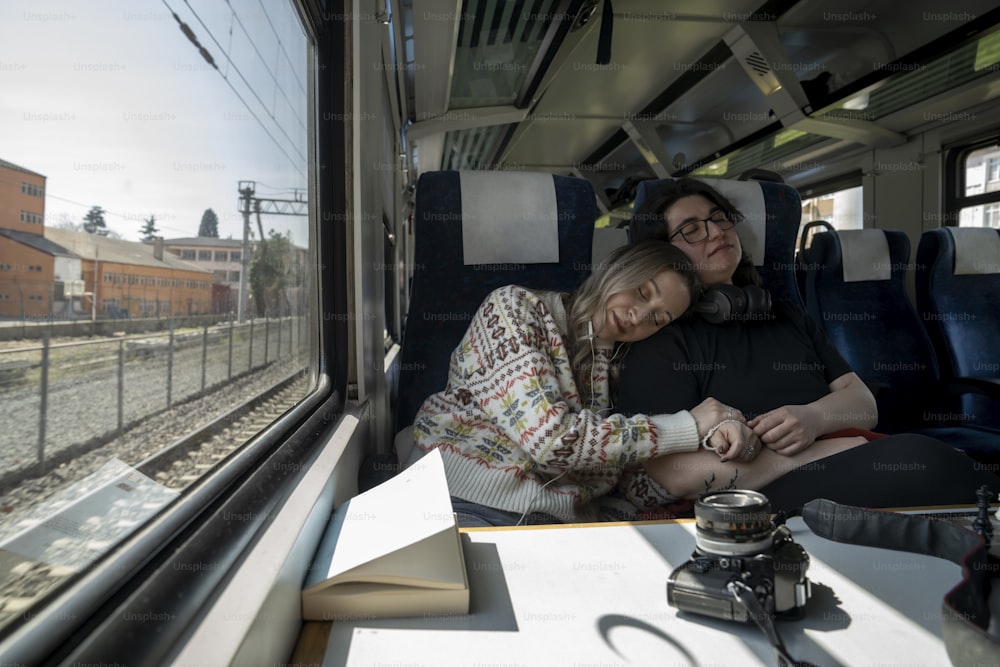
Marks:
<point>412,506</point>
<point>435,562</point>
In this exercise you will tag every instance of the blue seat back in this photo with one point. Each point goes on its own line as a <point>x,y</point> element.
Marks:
<point>773,211</point>
<point>863,307</point>
<point>447,291</point>
<point>958,295</point>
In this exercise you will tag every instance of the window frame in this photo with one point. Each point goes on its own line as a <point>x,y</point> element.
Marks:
<point>993,208</point>
<point>993,170</point>
<point>955,198</point>
<point>86,621</point>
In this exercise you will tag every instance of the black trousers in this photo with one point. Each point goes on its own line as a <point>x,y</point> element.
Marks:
<point>904,470</point>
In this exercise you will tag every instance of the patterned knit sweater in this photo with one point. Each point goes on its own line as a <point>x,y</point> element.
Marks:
<point>514,434</point>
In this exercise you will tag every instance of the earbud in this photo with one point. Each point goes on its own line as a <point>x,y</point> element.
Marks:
<point>590,328</point>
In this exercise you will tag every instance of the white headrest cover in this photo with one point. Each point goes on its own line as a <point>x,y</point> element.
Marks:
<point>748,198</point>
<point>607,239</point>
<point>865,255</point>
<point>509,217</point>
<point>977,250</point>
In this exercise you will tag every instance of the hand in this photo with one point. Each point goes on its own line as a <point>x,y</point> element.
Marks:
<point>787,430</point>
<point>710,412</point>
<point>734,441</point>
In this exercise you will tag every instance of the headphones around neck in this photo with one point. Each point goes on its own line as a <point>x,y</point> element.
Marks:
<point>729,303</point>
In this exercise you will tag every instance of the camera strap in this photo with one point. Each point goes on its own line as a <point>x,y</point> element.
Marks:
<point>965,608</point>
<point>765,621</point>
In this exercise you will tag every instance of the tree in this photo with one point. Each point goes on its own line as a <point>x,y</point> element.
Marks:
<point>209,224</point>
<point>149,230</point>
<point>93,222</point>
<point>272,271</point>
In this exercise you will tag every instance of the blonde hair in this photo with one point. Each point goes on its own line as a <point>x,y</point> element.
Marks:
<point>625,268</point>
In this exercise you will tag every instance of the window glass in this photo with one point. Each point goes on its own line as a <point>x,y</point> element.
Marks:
<point>843,209</point>
<point>981,172</point>
<point>125,133</point>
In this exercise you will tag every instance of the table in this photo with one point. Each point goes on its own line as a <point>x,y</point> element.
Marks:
<point>595,596</point>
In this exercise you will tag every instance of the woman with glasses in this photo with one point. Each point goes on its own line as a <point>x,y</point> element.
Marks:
<point>797,403</point>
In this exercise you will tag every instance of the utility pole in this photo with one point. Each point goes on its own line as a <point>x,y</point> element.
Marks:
<point>93,298</point>
<point>246,189</point>
<point>248,203</point>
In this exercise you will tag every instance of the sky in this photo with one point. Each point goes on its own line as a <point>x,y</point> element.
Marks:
<point>117,108</point>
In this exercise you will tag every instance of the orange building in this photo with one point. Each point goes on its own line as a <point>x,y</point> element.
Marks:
<point>27,263</point>
<point>22,199</point>
<point>131,279</point>
<point>50,273</point>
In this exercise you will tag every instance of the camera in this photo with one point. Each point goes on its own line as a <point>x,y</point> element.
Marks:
<point>738,544</point>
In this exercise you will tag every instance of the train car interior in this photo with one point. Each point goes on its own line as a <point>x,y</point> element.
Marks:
<point>440,149</point>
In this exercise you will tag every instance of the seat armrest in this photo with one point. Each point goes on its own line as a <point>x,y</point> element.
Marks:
<point>989,387</point>
<point>878,389</point>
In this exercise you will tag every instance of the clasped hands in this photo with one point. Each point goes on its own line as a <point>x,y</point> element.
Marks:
<point>786,430</point>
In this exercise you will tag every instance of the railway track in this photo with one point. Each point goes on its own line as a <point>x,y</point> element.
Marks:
<point>25,579</point>
<point>186,460</point>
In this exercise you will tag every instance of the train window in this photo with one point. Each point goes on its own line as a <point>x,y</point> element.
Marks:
<point>842,209</point>
<point>122,395</point>
<point>838,201</point>
<point>979,205</point>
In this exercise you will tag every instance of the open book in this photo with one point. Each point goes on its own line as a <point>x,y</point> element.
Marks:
<point>392,551</point>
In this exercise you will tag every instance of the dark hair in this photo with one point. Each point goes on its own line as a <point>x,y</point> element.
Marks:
<point>649,220</point>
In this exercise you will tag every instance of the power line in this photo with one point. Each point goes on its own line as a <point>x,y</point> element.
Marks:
<point>279,190</point>
<point>274,76</point>
<point>127,218</point>
<point>235,68</point>
<point>187,31</point>
<point>281,45</point>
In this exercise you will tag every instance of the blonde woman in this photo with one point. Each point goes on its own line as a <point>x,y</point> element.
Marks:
<point>526,425</point>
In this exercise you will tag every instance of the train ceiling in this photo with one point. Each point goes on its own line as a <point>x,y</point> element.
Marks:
<point>521,84</point>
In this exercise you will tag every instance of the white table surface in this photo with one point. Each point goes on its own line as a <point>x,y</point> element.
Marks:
<point>595,595</point>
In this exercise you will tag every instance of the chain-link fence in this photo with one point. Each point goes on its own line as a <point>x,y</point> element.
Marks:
<point>61,397</point>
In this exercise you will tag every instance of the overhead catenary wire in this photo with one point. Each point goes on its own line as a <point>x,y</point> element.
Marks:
<point>281,45</point>
<point>274,76</point>
<point>230,60</point>
<point>190,34</point>
<point>129,218</point>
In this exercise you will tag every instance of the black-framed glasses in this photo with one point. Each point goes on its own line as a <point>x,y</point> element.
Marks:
<point>696,231</point>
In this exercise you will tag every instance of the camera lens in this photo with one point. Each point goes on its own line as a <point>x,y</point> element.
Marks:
<point>733,523</point>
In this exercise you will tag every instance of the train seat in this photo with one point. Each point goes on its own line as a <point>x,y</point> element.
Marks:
<point>607,239</point>
<point>855,290</point>
<point>475,232</point>
<point>958,289</point>
<point>773,212</point>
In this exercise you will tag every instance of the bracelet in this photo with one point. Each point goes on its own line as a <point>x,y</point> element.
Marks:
<point>711,432</point>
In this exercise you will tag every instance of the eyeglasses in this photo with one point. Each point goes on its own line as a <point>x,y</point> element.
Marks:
<point>696,231</point>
